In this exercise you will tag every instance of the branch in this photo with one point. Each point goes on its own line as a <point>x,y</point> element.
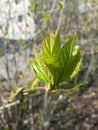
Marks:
<point>24,91</point>
<point>34,89</point>
<point>9,105</point>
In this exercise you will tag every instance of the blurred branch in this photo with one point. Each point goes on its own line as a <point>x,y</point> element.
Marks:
<point>24,91</point>
<point>9,105</point>
<point>61,14</point>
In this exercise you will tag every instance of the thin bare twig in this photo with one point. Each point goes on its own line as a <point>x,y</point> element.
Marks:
<point>9,105</point>
<point>34,89</point>
<point>24,91</point>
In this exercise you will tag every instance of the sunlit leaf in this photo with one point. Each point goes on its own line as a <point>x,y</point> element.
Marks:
<point>51,49</point>
<point>33,83</point>
<point>38,71</point>
<point>71,58</point>
<point>42,65</point>
<point>51,52</point>
<point>57,63</point>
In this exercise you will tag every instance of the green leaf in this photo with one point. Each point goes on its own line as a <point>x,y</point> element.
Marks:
<point>51,49</point>
<point>33,83</point>
<point>57,63</point>
<point>38,71</point>
<point>68,87</point>
<point>51,53</point>
<point>14,93</point>
<point>68,48</point>
<point>76,61</point>
<point>42,65</point>
<point>71,59</point>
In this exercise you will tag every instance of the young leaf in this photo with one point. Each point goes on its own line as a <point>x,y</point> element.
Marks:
<point>71,58</point>
<point>51,52</point>
<point>57,64</point>
<point>76,61</point>
<point>51,49</point>
<point>42,66</point>
<point>68,87</point>
<point>38,71</point>
<point>33,83</point>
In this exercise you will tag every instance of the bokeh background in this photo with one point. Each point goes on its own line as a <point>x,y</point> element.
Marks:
<point>24,24</point>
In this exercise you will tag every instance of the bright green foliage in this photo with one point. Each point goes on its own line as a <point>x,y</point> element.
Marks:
<point>59,6</point>
<point>34,5</point>
<point>46,18</point>
<point>57,63</point>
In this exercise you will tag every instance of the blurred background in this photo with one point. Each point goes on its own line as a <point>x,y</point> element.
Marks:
<point>24,24</point>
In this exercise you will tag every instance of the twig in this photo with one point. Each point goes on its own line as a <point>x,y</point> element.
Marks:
<point>9,105</point>
<point>34,89</point>
<point>24,91</point>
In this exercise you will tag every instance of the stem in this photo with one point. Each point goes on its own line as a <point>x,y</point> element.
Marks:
<point>8,105</point>
<point>23,91</point>
<point>21,113</point>
<point>34,89</point>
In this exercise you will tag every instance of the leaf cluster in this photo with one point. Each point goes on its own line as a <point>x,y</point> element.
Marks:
<point>57,63</point>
